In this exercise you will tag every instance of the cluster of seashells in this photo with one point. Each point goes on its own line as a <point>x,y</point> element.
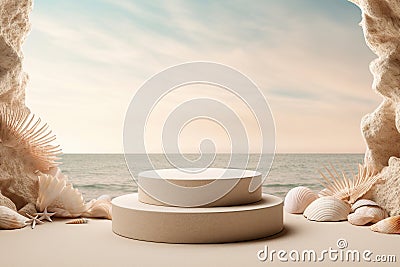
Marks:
<point>343,199</point>
<point>30,181</point>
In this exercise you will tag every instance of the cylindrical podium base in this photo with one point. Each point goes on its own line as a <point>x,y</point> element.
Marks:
<point>137,220</point>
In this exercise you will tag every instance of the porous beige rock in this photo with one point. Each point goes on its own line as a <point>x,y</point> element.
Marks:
<point>14,26</point>
<point>381,26</point>
<point>387,194</point>
<point>17,185</point>
<point>16,182</point>
<point>381,128</point>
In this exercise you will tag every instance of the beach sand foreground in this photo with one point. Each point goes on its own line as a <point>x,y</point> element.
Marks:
<point>94,244</point>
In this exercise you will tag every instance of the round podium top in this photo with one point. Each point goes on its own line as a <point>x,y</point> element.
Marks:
<point>196,174</point>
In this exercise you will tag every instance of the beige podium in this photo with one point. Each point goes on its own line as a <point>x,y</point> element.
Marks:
<point>237,216</point>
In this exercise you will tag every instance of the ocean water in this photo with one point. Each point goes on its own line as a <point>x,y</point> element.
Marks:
<point>98,174</point>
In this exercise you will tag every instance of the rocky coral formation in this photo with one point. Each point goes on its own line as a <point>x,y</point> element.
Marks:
<point>381,128</point>
<point>14,26</point>
<point>381,25</point>
<point>388,193</point>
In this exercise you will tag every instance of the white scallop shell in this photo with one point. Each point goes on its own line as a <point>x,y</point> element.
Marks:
<point>101,208</point>
<point>366,214</point>
<point>10,219</point>
<point>389,225</point>
<point>363,202</point>
<point>69,203</point>
<point>327,209</point>
<point>298,198</point>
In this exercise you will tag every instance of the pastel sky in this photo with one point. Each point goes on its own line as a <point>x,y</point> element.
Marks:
<point>86,59</point>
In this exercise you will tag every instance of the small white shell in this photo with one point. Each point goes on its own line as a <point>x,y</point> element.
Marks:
<point>363,202</point>
<point>366,214</point>
<point>298,198</point>
<point>101,208</point>
<point>78,221</point>
<point>327,209</point>
<point>10,219</point>
<point>389,225</point>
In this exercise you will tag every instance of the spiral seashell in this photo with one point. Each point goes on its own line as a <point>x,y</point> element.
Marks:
<point>327,209</point>
<point>78,221</point>
<point>363,202</point>
<point>366,214</point>
<point>298,198</point>
<point>10,219</point>
<point>389,225</point>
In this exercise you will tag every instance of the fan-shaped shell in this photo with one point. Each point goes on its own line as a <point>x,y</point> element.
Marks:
<point>69,203</point>
<point>10,219</point>
<point>363,202</point>
<point>389,225</point>
<point>327,209</point>
<point>366,214</point>
<point>298,198</point>
<point>101,208</point>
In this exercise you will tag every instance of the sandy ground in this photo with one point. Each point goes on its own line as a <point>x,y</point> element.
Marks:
<point>94,244</point>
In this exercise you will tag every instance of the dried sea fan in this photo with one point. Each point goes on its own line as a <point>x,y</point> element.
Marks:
<point>348,189</point>
<point>23,131</point>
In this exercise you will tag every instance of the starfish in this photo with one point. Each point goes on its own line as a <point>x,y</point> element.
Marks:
<point>45,215</point>
<point>33,220</point>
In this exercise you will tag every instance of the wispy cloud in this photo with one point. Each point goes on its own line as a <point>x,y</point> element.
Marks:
<point>86,63</point>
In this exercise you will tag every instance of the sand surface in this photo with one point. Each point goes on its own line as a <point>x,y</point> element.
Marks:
<point>94,244</point>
